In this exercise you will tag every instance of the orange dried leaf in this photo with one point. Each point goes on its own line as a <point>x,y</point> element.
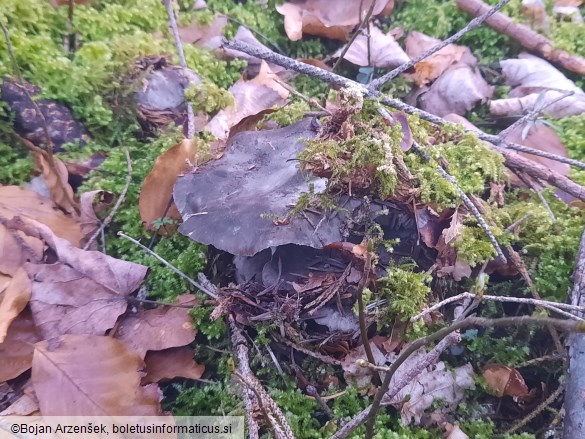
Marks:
<point>504,381</point>
<point>22,202</point>
<point>157,189</point>
<point>171,363</point>
<point>13,300</point>
<point>84,375</point>
<point>16,351</point>
<point>157,329</point>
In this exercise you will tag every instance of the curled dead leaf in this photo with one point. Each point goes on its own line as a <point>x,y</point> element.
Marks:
<point>504,381</point>
<point>317,17</point>
<point>156,195</point>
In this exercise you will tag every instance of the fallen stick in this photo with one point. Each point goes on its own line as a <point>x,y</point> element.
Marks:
<point>528,38</point>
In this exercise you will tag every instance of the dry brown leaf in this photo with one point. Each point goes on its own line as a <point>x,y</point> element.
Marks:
<point>22,202</point>
<point>204,35</point>
<point>157,189</point>
<point>91,203</point>
<point>531,76</point>
<point>431,68</point>
<point>384,51</point>
<point>13,300</point>
<point>83,375</point>
<point>171,363</point>
<point>504,381</point>
<point>82,292</point>
<point>542,138</point>
<point>160,328</point>
<point>318,17</point>
<point>55,174</point>
<point>457,90</point>
<point>251,97</point>
<point>16,351</point>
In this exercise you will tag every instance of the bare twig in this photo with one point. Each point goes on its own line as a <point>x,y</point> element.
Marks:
<point>275,416</point>
<point>527,37</point>
<point>119,202</point>
<point>358,31</point>
<point>179,44</point>
<point>473,24</point>
<point>168,264</point>
<point>362,315</point>
<point>553,306</point>
<point>548,401</point>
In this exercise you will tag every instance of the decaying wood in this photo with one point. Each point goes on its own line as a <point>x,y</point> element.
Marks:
<point>528,38</point>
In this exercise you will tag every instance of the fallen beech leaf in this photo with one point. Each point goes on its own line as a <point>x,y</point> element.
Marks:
<point>16,351</point>
<point>171,363</point>
<point>204,35</point>
<point>80,293</point>
<point>318,17</point>
<point>17,201</point>
<point>360,376</point>
<point>251,97</point>
<point>384,51</point>
<point>457,90</point>
<point>91,203</point>
<point>82,375</point>
<point>160,328</point>
<point>157,189</point>
<point>13,300</point>
<point>431,68</point>
<point>531,76</point>
<point>66,302</point>
<point>55,174</point>
<point>504,381</point>
<point>542,138</point>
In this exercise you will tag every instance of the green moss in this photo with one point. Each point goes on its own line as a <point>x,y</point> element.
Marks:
<point>289,114</point>
<point>212,329</point>
<point>208,97</point>
<point>208,400</point>
<point>406,292</point>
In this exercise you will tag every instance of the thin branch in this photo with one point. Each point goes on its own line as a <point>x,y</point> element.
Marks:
<point>553,306</point>
<point>362,316</point>
<point>179,44</point>
<point>119,202</point>
<point>290,64</point>
<point>355,35</point>
<point>541,407</point>
<point>171,266</point>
